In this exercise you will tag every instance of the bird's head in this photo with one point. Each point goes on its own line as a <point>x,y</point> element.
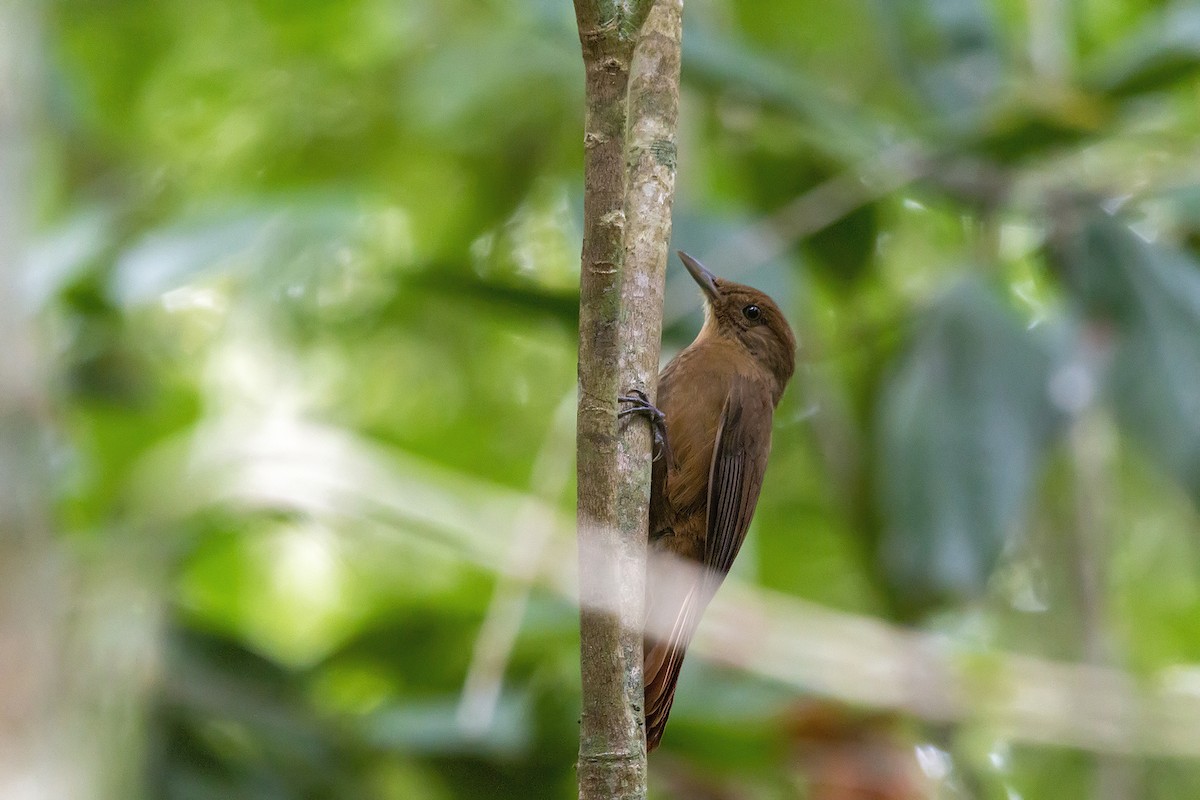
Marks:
<point>749,317</point>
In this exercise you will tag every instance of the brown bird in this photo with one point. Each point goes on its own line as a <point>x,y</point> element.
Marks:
<point>716,400</point>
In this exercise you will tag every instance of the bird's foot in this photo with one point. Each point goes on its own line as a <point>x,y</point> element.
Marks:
<point>640,404</point>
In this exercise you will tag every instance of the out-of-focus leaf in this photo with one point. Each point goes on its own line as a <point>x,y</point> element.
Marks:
<point>233,724</point>
<point>963,423</point>
<point>733,726</point>
<point>528,301</point>
<point>1051,772</point>
<point>432,727</point>
<point>111,439</point>
<point>844,248</point>
<point>62,254</point>
<point>1095,259</point>
<point>481,87</point>
<point>1178,211</point>
<point>1035,125</point>
<point>721,63</point>
<point>1151,293</point>
<point>809,37</point>
<point>440,631</point>
<point>166,259</point>
<point>951,52</point>
<point>1165,51</point>
<point>282,247</point>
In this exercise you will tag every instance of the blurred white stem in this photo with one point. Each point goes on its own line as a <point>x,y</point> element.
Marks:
<point>1049,40</point>
<point>1092,442</point>
<point>533,529</point>
<point>335,476</point>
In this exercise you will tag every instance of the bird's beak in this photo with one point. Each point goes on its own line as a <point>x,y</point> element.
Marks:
<point>706,280</point>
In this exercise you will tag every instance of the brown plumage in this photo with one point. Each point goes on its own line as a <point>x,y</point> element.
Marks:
<point>718,397</point>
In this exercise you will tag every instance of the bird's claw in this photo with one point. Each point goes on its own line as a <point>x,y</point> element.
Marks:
<point>640,404</point>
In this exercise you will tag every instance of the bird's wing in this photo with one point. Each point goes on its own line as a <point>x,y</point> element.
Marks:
<point>739,460</point>
<point>735,478</point>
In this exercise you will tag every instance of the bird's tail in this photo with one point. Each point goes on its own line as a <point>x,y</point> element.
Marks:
<point>661,669</point>
<point>662,658</point>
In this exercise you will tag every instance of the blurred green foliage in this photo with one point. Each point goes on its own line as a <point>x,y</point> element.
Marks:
<point>285,249</point>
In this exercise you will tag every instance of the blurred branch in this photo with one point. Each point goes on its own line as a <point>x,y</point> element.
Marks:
<point>77,644</point>
<point>857,659</point>
<point>1049,42</point>
<point>33,765</point>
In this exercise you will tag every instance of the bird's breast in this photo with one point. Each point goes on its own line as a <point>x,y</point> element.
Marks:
<point>692,393</point>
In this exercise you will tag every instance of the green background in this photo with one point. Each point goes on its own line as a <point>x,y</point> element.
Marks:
<point>305,279</point>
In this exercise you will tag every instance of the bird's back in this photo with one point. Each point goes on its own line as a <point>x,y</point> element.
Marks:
<point>695,390</point>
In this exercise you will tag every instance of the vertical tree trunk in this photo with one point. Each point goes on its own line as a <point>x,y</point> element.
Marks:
<point>629,178</point>
<point>31,606</point>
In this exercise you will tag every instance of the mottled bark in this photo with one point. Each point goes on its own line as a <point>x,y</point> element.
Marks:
<point>629,178</point>
<point>653,118</point>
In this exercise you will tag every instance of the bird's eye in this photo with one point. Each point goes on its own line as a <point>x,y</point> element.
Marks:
<point>752,312</point>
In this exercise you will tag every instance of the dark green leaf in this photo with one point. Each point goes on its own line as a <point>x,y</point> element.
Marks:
<point>845,249</point>
<point>1164,52</point>
<point>1094,256</point>
<point>1150,292</point>
<point>963,423</point>
<point>1035,125</point>
<point>951,52</point>
<point>714,62</point>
